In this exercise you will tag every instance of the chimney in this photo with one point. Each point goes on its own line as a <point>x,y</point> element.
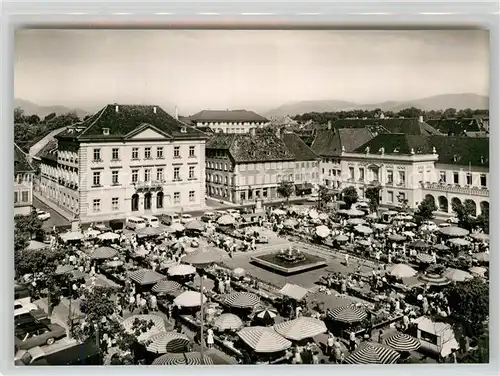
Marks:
<point>252,132</point>
<point>420,119</point>
<point>116,108</point>
<point>154,109</point>
<point>329,124</point>
<point>176,113</point>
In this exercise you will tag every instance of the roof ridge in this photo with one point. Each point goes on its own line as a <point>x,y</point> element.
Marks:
<point>100,112</point>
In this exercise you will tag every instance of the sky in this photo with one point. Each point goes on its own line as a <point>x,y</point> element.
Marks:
<point>251,69</point>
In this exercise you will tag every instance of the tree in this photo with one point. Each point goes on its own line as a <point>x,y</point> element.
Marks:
<point>30,225</point>
<point>463,213</point>
<point>324,195</point>
<point>450,113</point>
<point>285,189</point>
<point>373,195</point>
<point>483,220</point>
<point>427,207</point>
<point>18,115</point>
<point>349,196</point>
<point>403,202</point>
<point>411,112</point>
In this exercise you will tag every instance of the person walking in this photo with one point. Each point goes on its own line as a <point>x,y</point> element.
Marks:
<point>352,341</point>
<point>210,338</point>
<point>329,344</point>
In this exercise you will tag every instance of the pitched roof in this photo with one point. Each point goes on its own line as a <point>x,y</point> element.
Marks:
<point>49,151</point>
<point>456,126</point>
<point>298,147</point>
<point>21,162</point>
<point>244,147</point>
<point>227,116</point>
<point>451,150</point>
<point>127,119</point>
<point>391,125</point>
<point>329,142</point>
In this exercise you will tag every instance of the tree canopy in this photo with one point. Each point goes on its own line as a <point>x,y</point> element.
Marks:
<point>426,208</point>
<point>349,196</point>
<point>285,189</point>
<point>373,195</point>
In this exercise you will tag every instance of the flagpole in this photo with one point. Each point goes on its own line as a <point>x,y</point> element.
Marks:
<point>201,318</point>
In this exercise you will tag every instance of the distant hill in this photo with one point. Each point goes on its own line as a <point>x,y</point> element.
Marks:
<point>31,108</point>
<point>437,102</point>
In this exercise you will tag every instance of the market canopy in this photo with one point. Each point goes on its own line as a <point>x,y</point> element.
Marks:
<point>203,257</point>
<point>372,353</point>
<point>64,269</point>
<point>266,314</point>
<point>342,238</point>
<point>402,271</point>
<point>294,291</point>
<point>301,328</point>
<point>34,245</point>
<point>239,272</point>
<point>379,226</point>
<point>356,221</point>
<point>149,231</point>
<point>146,277</point>
<point>166,286</point>
<point>347,314</point>
<point>241,300</point>
<point>186,359</point>
<point>434,279</point>
<point>352,212</point>
<point>290,222</point>
<point>460,242</point>
<point>103,253</point>
<point>195,225</point>
<point>457,275</point>
<point>189,299</point>
<point>108,236</point>
<point>440,247</point>
<point>181,270</point>
<point>167,342</point>
<point>226,219</point>
<point>402,342</point>
<point>228,321</point>
<point>480,237</point>
<point>396,237</point>
<point>71,236</point>
<point>419,244</point>
<point>264,340</point>
<point>454,231</point>
<point>425,258</point>
<point>132,325</point>
<point>279,212</point>
<point>322,231</point>
<point>478,270</point>
<point>482,256</point>
<point>176,227</point>
<point>363,229</point>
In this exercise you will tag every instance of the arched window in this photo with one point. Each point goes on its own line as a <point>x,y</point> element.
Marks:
<point>135,202</point>
<point>159,200</point>
<point>147,201</point>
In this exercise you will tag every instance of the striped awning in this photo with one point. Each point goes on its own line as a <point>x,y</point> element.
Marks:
<point>172,342</point>
<point>185,359</point>
<point>146,277</point>
<point>266,313</point>
<point>372,353</point>
<point>349,314</point>
<point>301,328</point>
<point>103,253</point>
<point>402,342</point>
<point>134,325</point>
<point>228,321</point>
<point>166,286</point>
<point>425,258</point>
<point>263,340</point>
<point>294,291</point>
<point>242,300</point>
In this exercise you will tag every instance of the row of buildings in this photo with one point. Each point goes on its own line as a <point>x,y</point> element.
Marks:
<point>135,160</point>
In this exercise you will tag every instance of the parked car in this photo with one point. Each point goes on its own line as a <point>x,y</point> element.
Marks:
<point>38,335</point>
<point>29,317</point>
<point>42,215</point>
<point>116,224</point>
<point>208,216</point>
<point>22,306</point>
<point>135,223</point>
<point>453,220</point>
<point>235,213</point>
<point>168,219</point>
<point>102,227</point>
<point>81,354</point>
<point>186,218</point>
<point>313,198</point>
<point>151,220</point>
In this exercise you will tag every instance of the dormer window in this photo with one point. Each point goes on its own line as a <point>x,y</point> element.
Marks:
<point>105,131</point>
<point>183,130</point>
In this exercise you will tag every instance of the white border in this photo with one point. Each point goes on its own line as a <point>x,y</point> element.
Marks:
<point>278,14</point>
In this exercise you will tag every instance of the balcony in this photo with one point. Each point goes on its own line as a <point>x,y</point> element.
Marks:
<point>151,185</point>
<point>452,188</point>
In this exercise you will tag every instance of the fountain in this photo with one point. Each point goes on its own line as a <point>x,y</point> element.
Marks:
<point>289,261</point>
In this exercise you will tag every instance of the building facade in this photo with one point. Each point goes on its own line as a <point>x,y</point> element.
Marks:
<point>23,183</point>
<point>124,161</point>
<point>229,121</point>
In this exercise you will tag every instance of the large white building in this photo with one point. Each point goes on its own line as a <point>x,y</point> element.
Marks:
<point>229,121</point>
<point>125,160</point>
<point>23,183</point>
<point>407,166</point>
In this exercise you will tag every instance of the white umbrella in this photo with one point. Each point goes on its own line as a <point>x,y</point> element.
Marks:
<point>354,212</point>
<point>143,335</point>
<point>363,229</point>
<point>460,242</point>
<point>226,220</point>
<point>322,231</point>
<point>356,221</point>
<point>279,212</point>
<point>457,275</point>
<point>72,236</point>
<point>228,321</point>
<point>181,270</point>
<point>239,272</point>
<point>313,214</point>
<point>480,237</point>
<point>177,227</point>
<point>189,299</point>
<point>301,328</point>
<point>379,226</point>
<point>108,236</point>
<point>263,339</point>
<point>91,233</point>
<point>323,216</point>
<point>478,270</point>
<point>290,222</point>
<point>402,271</point>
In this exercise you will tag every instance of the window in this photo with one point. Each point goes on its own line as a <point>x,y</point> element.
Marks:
<point>177,173</point>
<point>135,153</point>
<point>469,178</point>
<point>114,177</point>
<point>455,178</point>
<point>483,180</point>
<point>191,152</point>
<point>191,172</point>
<point>115,154</point>
<point>442,177</point>
<point>177,197</point>
<point>96,178</point>
<point>361,174</point>
<point>191,195</point>
<point>147,153</point>
<point>159,152</point>
<point>401,197</point>
<point>429,337</point>
<point>279,179</point>
<point>97,155</point>
<point>177,151</point>
<point>323,171</point>
<point>159,174</point>
<point>24,196</point>
<point>16,197</point>
<point>114,203</point>
<point>147,174</point>
<point>390,196</point>
<point>96,205</point>
<point>402,177</point>
<point>351,173</point>
<point>135,176</point>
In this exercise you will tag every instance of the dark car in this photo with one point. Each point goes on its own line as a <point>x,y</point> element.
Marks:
<point>84,354</point>
<point>38,335</point>
<point>30,318</point>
